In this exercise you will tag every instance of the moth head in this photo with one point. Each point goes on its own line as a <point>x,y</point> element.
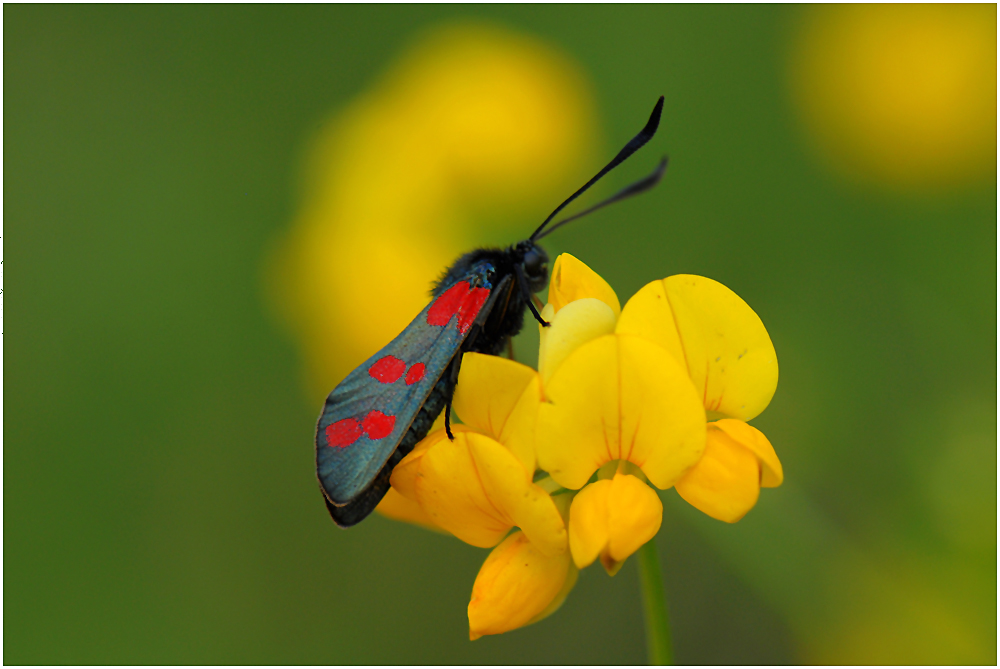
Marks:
<point>535,262</point>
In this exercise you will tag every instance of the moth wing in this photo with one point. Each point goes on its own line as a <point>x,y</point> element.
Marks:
<point>368,413</point>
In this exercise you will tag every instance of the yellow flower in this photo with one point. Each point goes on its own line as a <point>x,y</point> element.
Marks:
<point>619,402</point>
<point>637,389</point>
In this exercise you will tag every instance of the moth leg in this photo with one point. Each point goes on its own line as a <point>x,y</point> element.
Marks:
<point>510,347</point>
<point>538,317</point>
<point>522,282</point>
<point>453,368</point>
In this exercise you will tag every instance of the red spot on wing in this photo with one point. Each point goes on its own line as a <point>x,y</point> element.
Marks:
<point>377,425</point>
<point>460,299</point>
<point>388,369</point>
<point>343,433</point>
<point>415,373</point>
<point>447,304</point>
<point>470,307</point>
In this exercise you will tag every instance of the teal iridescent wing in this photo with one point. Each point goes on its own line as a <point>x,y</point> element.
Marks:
<point>366,416</point>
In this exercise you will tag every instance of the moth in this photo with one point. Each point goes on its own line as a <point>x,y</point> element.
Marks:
<point>382,409</point>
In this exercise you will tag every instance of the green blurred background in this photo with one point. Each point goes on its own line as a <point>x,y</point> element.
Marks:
<point>160,498</point>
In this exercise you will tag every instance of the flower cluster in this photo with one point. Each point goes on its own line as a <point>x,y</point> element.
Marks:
<point>566,454</point>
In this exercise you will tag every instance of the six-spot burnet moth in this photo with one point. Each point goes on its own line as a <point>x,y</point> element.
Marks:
<point>376,415</point>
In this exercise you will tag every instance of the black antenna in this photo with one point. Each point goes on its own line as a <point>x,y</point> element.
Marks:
<point>634,145</point>
<point>640,186</point>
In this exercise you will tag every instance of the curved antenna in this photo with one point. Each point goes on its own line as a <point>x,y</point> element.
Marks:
<point>634,145</point>
<point>640,186</point>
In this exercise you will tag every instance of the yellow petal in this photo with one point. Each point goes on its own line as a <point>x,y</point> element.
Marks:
<point>771,474</point>
<point>588,523</point>
<point>573,280</point>
<point>517,585</point>
<point>403,478</point>
<point>725,482</point>
<point>613,518</point>
<point>619,397</point>
<point>397,507</point>
<point>446,484</point>
<point>509,489</point>
<point>571,578</point>
<point>489,389</point>
<point>572,326</point>
<point>518,433</point>
<point>634,515</point>
<point>725,346</point>
<point>476,489</point>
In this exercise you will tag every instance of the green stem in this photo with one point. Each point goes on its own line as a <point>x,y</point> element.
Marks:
<point>654,603</point>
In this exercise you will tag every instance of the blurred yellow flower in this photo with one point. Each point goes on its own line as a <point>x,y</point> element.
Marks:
<point>901,95</point>
<point>470,129</point>
<point>619,402</point>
